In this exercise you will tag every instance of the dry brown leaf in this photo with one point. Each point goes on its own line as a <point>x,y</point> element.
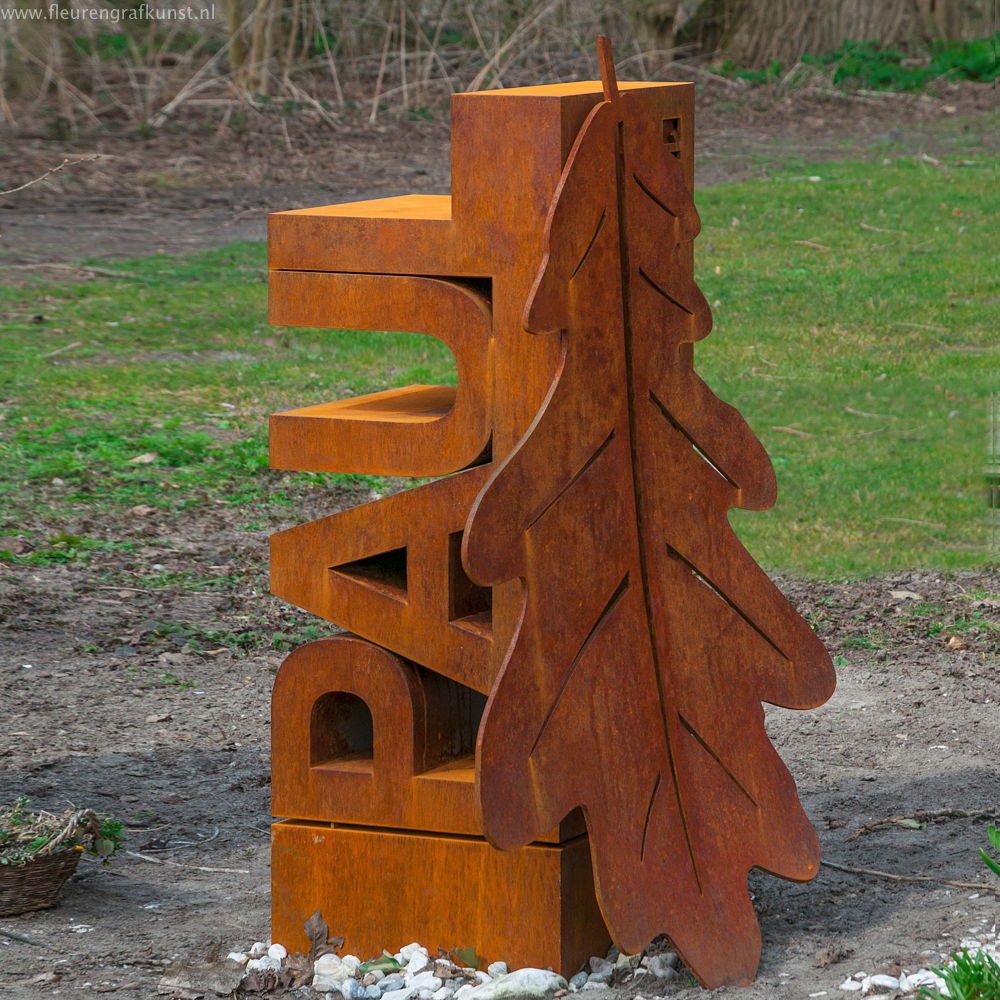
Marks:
<point>957,642</point>
<point>297,970</point>
<point>144,459</point>
<point>831,955</point>
<point>319,936</point>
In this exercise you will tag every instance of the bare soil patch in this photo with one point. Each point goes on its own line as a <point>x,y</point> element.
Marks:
<point>106,707</point>
<point>194,183</point>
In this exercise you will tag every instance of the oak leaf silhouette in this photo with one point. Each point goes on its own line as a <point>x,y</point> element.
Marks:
<point>649,636</point>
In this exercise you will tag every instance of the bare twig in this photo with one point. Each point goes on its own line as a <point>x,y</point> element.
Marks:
<point>863,413</point>
<point>910,878</point>
<point>236,218</point>
<point>793,430</point>
<point>61,350</point>
<point>913,520</point>
<point>923,816</point>
<point>107,273</point>
<point>878,229</point>
<point>810,243</point>
<point>920,326</point>
<point>52,170</point>
<point>177,864</point>
<point>26,940</point>
<point>493,65</point>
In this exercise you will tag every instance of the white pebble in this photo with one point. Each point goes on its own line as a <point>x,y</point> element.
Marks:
<point>278,951</point>
<point>523,984</point>
<point>922,977</point>
<point>238,956</point>
<point>404,994</point>
<point>442,994</point>
<point>328,963</point>
<point>483,977</point>
<point>497,969</point>
<point>425,981</point>
<point>406,952</point>
<point>257,949</point>
<point>351,963</point>
<point>328,972</point>
<point>463,991</point>
<point>425,994</point>
<point>879,983</point>
<point>263,963</point>
<point>850,985</point>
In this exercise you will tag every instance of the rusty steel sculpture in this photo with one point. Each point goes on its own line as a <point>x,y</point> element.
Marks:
<point>545,721</point>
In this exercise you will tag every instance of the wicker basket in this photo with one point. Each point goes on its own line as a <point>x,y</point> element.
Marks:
<point>35,885</point>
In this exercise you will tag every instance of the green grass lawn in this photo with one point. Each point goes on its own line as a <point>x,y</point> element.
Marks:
<point>855,309</point>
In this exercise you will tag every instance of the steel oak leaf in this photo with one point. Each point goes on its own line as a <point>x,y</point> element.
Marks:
<point>649,636</point>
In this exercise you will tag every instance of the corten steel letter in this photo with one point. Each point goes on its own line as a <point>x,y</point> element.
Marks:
<point>566,630</point>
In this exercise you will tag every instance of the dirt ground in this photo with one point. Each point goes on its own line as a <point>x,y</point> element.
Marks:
<point>191,186</point>
<point>103,707</point>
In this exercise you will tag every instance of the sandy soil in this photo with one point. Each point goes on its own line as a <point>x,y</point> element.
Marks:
<point>96,697</point>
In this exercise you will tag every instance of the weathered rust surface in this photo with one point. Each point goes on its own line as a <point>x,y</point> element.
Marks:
<point>458,891</point>
<point>416,431</point>
<point>650,637</point>
<point>576,566</point>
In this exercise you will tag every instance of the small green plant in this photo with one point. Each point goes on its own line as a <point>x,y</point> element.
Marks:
<point>870,65</point>
<point>172,680</point>
<point>994,836</point>
<point>26,834</point>
<point>967,977</point>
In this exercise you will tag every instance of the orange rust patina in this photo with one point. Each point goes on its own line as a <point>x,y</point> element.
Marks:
<point>545,724</point>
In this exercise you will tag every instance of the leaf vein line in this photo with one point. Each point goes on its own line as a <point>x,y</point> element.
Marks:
<point>646,190</point>
<point>649,814</point>
<point>668,416</point>
<point>662,678</point>
<point>674,554</point>
<point>656,288</point>
<point>603,447</point>
<point>613,601</point>
<point>718,760</point>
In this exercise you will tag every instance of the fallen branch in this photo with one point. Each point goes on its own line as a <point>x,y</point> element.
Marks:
<point>106,272</point>
<point>879,229</point>
<point>177,864</point>
<point>924,816</point>
<point>910,878</point>
<point>810,243</point>
<point>864,413</point>
<point>52,170</point>
<point>793,430</point>
<point>61,350</point>
<point>914,520</point>
<point>26,940</point>
<point>921,326</point>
